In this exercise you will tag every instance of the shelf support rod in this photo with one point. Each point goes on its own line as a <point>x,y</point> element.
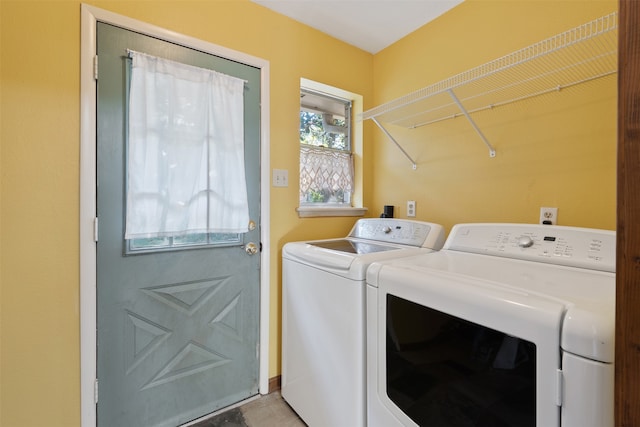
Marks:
<point>395,142</point>
<point>492,151</point>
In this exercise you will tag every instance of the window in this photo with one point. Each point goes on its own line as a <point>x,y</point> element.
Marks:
<point>326,160</point>
<point>185,157</point>
<point>189,241</point>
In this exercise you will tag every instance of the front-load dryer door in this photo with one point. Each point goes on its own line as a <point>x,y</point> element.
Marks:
<point>453,350</point>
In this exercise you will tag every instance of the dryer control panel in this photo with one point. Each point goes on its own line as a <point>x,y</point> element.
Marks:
<point>400,231</point>
<point>570,246</point>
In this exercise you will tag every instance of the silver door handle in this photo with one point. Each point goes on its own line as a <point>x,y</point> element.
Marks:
<point>251,248</point>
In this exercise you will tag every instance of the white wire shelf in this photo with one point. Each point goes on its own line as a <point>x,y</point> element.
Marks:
<point>576,56</point>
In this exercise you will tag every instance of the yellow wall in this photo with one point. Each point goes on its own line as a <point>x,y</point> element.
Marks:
<point>557,150</point>
<point>551,152</point>
<point>40,343</point>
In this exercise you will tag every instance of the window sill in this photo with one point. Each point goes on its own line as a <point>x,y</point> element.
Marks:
<point>313,211</point>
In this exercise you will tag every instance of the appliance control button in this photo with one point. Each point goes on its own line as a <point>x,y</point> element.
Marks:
<point>525,242</point>
<point>387,230</point>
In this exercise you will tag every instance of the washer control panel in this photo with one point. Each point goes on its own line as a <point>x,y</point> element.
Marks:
<point>570,246</point>
<point>400,231</point>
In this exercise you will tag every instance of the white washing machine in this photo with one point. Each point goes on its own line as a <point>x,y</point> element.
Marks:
<point>323,315</point>
<point>508,325</point>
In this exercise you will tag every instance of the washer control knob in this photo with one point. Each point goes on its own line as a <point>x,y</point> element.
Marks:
<point>387,230</point>
<point>525,242</point>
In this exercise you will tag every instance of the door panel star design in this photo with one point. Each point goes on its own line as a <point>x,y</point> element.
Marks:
<point>193,300</point>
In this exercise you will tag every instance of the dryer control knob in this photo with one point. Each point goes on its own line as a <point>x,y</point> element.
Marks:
<point>525,242</point>
<point>387,230</point>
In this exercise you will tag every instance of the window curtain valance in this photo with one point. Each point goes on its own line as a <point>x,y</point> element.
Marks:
<point>185,166</point>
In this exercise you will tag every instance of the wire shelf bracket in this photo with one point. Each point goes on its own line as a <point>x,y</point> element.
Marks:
<point>492,151</point>
<point>392,139</point>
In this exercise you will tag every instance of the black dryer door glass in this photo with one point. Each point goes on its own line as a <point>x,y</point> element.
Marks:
<point>445,371</point>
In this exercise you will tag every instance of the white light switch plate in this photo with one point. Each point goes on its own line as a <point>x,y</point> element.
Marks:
<point>280,178</point>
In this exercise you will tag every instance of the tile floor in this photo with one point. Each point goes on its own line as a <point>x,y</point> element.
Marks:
<point>265,411</point>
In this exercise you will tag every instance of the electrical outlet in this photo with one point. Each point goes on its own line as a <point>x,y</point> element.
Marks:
<point>549,216</point>
<point>411,208</point>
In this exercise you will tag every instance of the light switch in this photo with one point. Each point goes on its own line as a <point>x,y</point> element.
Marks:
<point>280,178</point>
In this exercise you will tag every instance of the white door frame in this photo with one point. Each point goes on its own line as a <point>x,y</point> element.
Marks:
<point>88,224</point>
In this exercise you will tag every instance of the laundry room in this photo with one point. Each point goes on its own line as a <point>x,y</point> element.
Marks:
<point>556,149</point>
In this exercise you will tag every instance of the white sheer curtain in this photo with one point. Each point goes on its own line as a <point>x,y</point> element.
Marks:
<point>186,151</point>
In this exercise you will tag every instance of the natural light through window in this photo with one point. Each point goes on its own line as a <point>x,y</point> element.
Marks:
<point>326,162</point>
<point>330,151</point>
<point>185,156</point>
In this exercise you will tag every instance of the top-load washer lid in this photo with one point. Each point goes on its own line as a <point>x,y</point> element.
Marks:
<point>370,240</point>
<point>352,246</point>
<point>565,265</point>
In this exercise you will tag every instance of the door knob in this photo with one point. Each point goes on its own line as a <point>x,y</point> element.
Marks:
<point>251,248</point>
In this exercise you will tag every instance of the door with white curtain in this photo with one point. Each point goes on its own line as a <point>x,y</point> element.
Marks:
<point>177,315</point>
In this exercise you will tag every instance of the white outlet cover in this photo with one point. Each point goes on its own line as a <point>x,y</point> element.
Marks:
<point>411,208</point>
<point>549,214</point>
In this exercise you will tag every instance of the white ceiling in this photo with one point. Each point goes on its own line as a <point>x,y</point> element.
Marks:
<point>370,25</point>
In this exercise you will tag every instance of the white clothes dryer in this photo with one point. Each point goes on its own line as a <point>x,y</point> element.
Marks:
<point>508,325</point>
<point>323,315</point>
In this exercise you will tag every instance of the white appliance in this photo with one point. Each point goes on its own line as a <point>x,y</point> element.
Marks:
<point>507,325</point>
<point>323,315</point>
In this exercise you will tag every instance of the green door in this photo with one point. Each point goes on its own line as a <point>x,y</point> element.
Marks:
<point>177,320</point>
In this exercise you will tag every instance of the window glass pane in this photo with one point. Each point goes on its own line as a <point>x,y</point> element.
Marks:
<point>151,243</point>
<point>325,121</point>
<point>323,130</point>
<point>326,163</point>
<point>189,241</point>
